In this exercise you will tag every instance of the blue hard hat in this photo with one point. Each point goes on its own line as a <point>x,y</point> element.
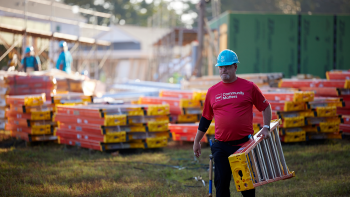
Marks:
<point>28,49</point>
<point>227,57</point>
<point>63,44</point>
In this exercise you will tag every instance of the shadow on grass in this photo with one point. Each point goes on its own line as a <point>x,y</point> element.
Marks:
<point>51,170</point>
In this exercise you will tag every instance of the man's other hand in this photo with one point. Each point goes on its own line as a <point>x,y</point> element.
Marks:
<point>197,148</point>
<point>265,132</point>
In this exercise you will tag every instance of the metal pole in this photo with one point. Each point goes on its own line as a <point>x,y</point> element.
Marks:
<point>25,28</point>
<point>200,36</point>
<point>218,12</point>
<point>52,48</point>
<point>210,170</point>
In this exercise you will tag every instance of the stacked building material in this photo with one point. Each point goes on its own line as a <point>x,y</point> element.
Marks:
<point>188,131</point>
<point>3,91</point>
<point>326,120</point>
<point>112,127</point>
<point>260,79</point>
<point>291,108</point>
<point>345,126</point>
<point>69,85</point>
<point>185,107</point>
<point>25,84</point>
<point>71,98</point>
<point>30,118</point>
<point>344,94</point>
<point>185,112</point>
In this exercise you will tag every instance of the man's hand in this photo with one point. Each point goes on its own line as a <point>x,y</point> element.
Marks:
<point>197,148</point>
<point>265,132</point>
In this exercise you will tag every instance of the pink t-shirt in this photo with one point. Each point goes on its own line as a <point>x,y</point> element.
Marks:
<point>232,106</point>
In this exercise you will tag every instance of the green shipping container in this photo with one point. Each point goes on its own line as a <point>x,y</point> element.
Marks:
<point>263,43</point>
<point>269,42</point>
<point>281,44</point>
<point>316,44</point>
<point>343,43</point>
<point>246,37</point>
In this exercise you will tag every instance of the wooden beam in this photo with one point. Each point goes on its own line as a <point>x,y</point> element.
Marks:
<point>9,49</point>
<point>51,35</point>
<point>64,6</point>
<point>55,19</point>
<point>72,50</point>
<point>104,59</point>
<point>210,61</point>
<point>131,68</point>
<point>7,46</point>
<point>89,55</point>
<point>47,57</point>
<point>43,49</point>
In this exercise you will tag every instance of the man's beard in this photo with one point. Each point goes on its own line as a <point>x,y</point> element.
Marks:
<point>225,77</point>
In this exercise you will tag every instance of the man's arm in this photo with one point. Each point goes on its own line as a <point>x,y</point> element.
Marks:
<point>202,128</point>
<point>38,62</point>
<point>197,144</point>
<point>267,120</point>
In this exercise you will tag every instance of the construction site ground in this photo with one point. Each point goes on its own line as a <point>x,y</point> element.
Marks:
<point>322,169</point>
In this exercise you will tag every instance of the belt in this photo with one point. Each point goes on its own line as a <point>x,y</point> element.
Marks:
<point>236,142</point>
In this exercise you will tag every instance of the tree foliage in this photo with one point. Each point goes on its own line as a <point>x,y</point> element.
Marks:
<point>137,12</point>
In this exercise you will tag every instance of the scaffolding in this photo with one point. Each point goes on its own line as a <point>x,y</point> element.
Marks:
<point>21,35</point>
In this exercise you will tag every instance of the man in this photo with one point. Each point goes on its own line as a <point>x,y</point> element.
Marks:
<point>230,102</point>
<point>64,59</point>
<point>30,62</point>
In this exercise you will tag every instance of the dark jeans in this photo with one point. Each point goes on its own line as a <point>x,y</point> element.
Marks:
<point>221,151</point>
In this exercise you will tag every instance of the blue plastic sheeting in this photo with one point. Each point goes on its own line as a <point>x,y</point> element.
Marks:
<point>152,84</point>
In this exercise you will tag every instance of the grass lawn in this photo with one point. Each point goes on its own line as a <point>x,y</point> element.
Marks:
<point>322,169</point>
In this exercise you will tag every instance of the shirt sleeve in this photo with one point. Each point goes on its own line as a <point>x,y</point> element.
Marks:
<point>259,100</point>
<point>58,63</point>
<point>70,58</point>
<point>207,109</point>
<point>37,60</point>
<point>22,61</point>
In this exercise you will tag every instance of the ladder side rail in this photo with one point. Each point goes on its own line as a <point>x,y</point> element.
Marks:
<point>273,142</point>
<point>269,155</point>
<point>266,159</point>
<point>256,165</point>
<point>261,160</point>
<point>274,157</point>
<point>280,151</point>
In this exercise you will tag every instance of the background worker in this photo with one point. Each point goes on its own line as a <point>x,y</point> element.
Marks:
<point>231,103</point>
<point>12,62</point>
<point>30,62</point>
<point>65,59</point>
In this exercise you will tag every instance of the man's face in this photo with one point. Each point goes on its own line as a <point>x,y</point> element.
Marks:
<point>227,73</point>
